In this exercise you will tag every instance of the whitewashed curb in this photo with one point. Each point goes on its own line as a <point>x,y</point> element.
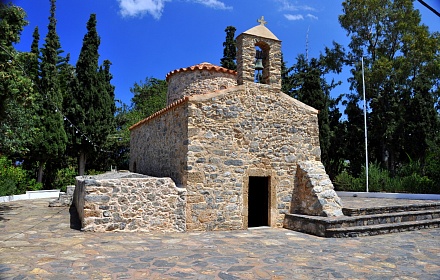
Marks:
<point>31,195</point>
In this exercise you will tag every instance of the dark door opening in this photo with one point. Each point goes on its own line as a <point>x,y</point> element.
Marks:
<point>258,201</point>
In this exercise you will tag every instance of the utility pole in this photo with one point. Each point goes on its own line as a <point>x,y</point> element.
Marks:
<point>365,124</point>
<point>307,43</point>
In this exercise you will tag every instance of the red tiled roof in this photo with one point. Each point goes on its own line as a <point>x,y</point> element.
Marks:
<point>202,66</point>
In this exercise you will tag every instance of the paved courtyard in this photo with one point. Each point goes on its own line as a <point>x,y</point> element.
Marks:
<point>37,242</point>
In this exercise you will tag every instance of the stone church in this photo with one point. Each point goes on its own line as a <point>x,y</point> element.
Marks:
<point>244,152</point>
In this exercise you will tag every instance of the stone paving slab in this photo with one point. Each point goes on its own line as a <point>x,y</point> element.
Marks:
<point>36,242</point>
<point>369,202</point>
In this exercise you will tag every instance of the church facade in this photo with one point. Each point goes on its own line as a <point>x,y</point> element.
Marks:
<point>235,144</point>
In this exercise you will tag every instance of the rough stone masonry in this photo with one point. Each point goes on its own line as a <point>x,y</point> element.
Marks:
<point>225,151</point>
<point>129,202</point>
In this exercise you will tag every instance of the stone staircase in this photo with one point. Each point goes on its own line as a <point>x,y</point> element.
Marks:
<point>368,221</point>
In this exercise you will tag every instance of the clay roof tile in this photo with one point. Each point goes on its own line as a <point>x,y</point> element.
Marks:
<point>202,66</point>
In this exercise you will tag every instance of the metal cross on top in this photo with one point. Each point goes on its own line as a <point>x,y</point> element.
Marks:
<point>262,21</point>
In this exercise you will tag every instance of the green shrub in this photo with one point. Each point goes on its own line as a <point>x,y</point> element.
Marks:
<point>415,183</point>
<point>8,186</point>
<point>93,172</point>
<point>65,177</point>
<point>33,185</point>
<point>13,180</point>
<point>408,180</point>
<point>379,180</point>
<point>432,163</point>
<point>346,182</point>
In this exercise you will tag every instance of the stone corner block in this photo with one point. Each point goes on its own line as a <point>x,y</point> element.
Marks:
<point>314,193</point>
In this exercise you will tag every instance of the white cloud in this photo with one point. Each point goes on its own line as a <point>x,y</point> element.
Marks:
<point>300,11</point>
<point>293,17</point>
<point>310,16</point>
<point>134,8</point>
<point>215,4</point>
<point>287,6</point>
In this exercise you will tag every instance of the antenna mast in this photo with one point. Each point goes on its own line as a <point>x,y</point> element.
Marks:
<point>307,43</point>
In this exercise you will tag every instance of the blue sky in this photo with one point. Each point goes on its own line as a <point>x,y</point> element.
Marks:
<point>149,38</point>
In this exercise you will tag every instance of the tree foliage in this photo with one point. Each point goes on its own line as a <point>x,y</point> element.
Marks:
<point>149,96</point>
<point>33,65</point>
<point>16,88</point>
<point>229,49</point>
<point>402,63</point>
<point>50,142</point>
<point>40,92</point>
<point>92,99</point>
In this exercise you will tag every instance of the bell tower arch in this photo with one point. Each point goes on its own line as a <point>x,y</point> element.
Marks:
<point>269,52</point>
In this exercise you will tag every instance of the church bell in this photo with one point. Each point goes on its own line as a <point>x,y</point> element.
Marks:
<point>259,64</point>
<point>259,61</point>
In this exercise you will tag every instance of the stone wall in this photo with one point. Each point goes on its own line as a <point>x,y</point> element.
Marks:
<point>64,199</point>
<point>129,202</point>
<point>314,193</point>
<point>188,83</point>
<point>249,130</point>
<point>158,144</point>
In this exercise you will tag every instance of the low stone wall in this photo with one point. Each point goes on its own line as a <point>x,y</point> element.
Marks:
<point>314,193</point>
<point>129,202</point>
<point>64,199</point>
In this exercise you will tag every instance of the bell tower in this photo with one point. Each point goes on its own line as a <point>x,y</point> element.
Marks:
<point>259,49</point>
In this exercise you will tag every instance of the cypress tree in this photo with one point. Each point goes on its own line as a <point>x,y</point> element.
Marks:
<point>51,140</point>
<point>66,74</point>
<point>229,49</point>
<point>33,70</point>
<point>108,90</point>
<point>92,98</point>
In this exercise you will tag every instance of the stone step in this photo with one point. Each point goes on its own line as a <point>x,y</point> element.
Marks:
<point>386,218</point>
<point>390,209</point>
<point>370,230</point>
<point>347,226</point>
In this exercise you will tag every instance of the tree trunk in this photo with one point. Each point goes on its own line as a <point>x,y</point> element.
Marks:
<point>385,155</point>
<point>82,163</point>
<point>392,160</point>
<point>40,172</point>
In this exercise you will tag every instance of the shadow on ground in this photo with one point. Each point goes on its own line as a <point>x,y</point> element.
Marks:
<point>75,222</point>
<point>5,209</point>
